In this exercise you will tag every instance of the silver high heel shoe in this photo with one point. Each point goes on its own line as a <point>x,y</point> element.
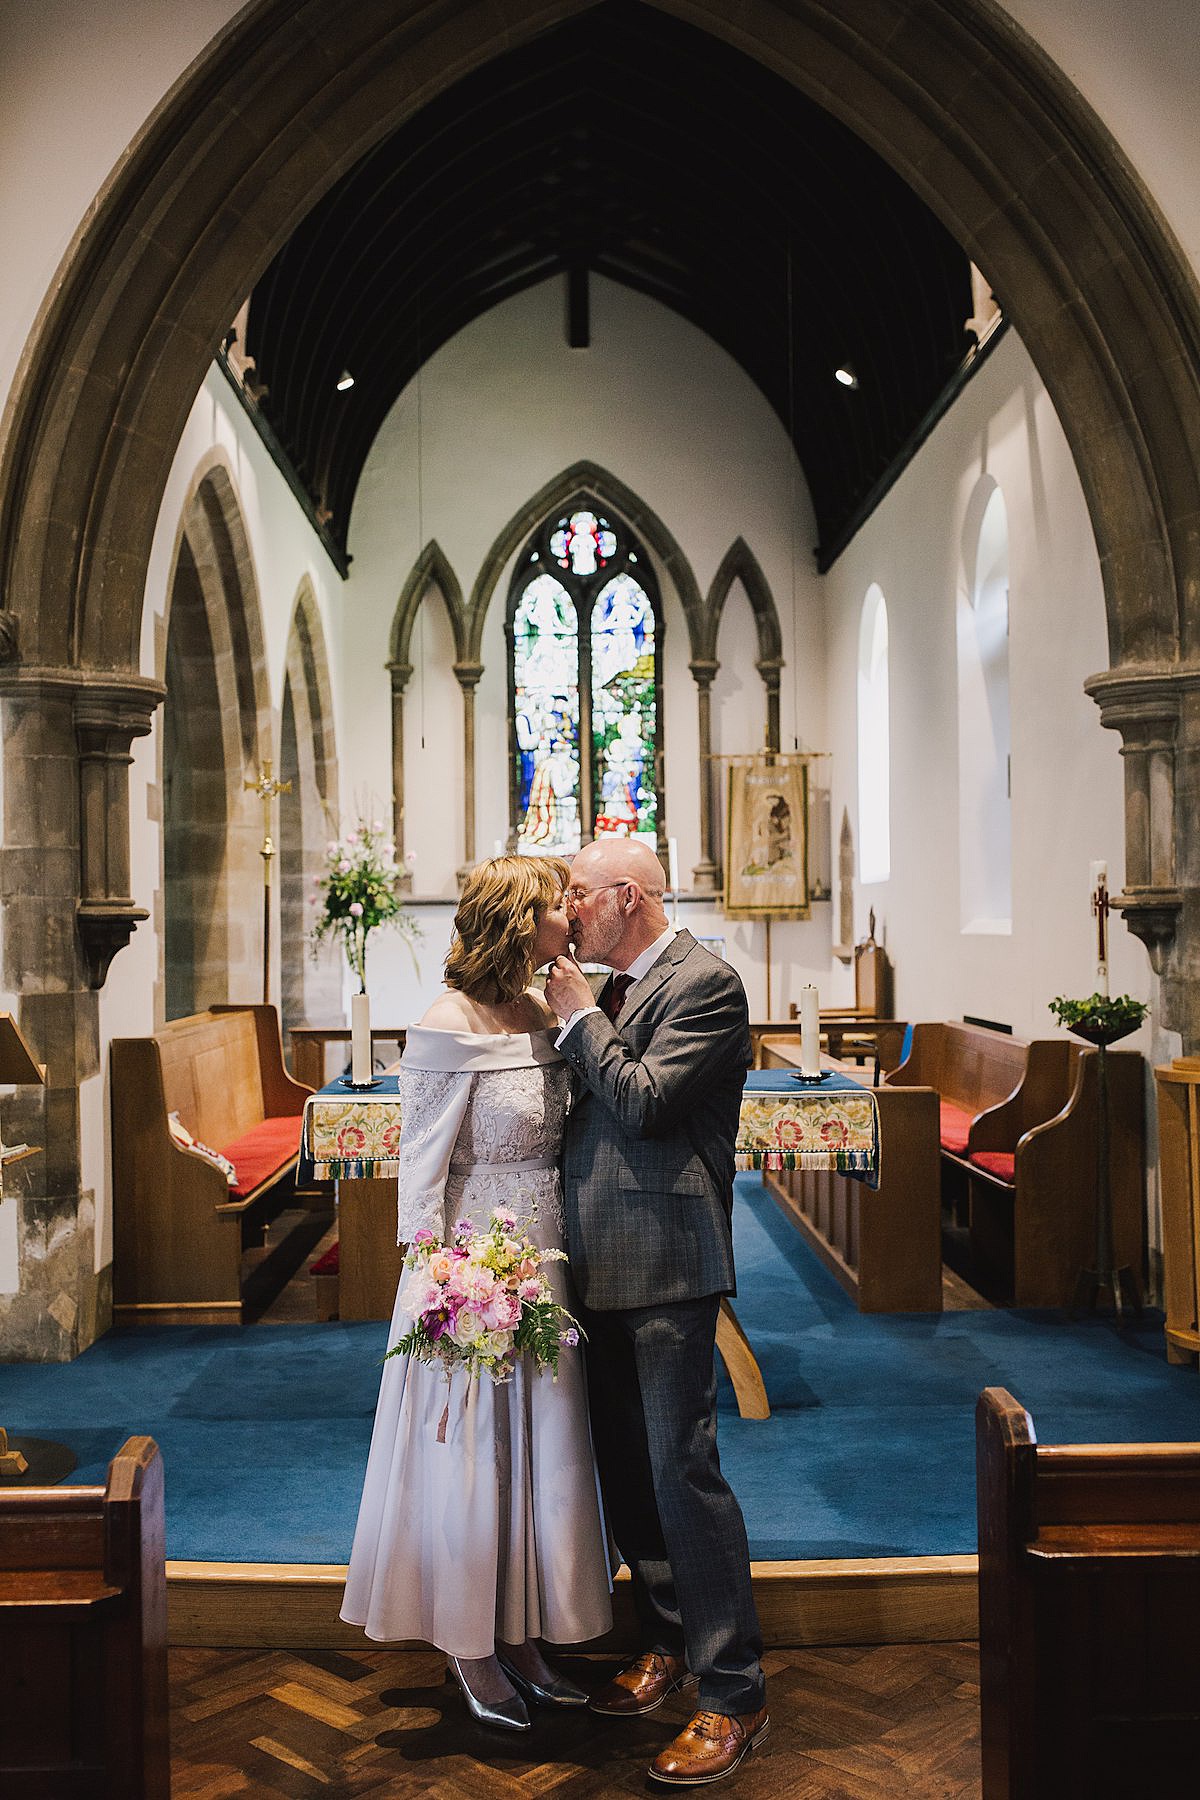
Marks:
<point>509,1715</point>
<point>557,1692</point>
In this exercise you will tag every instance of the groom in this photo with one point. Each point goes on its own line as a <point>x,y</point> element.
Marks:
<point>648,1187</point>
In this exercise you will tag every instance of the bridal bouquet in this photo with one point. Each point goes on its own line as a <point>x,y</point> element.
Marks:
<point>481,1300</point>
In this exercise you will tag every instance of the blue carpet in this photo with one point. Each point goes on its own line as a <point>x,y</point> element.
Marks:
<point>869,1450</point>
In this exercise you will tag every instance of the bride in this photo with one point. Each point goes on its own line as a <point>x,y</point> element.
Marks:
<point>493,1539</point>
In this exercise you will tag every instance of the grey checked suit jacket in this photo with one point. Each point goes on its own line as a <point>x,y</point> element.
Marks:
<point>648,1156</point>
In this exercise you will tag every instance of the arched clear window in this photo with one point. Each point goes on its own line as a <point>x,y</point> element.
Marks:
<point>874,741</point>
<point>984,719</point>
<point>585,633</point>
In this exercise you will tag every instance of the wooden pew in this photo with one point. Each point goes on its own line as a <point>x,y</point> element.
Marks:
<point>178,1227</point>
<point>1031,1164</point>
<point>972,1069</point>
<point>883,1244</point>
<point>83,1636</point>
<point>1089,1593</point>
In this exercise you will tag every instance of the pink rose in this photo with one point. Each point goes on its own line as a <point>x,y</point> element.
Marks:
<point>356,910</point>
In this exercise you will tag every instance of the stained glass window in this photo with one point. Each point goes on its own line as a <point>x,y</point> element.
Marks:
<point>546,675</point>
<point>584,684</point>
<point>624,709</point>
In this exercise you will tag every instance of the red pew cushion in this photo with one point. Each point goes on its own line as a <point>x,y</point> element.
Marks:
<point>329,1264</point>
<point>262,1151</point>
<point>954,1126</point>
<point>1001,1163</point>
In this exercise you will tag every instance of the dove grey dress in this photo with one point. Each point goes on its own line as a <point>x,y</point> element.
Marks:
<point>497,1532</point>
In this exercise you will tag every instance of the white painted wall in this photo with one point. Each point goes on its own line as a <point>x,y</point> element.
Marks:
<point>506,406</point>
<point>1067,806</point>
<point>1067,790</point>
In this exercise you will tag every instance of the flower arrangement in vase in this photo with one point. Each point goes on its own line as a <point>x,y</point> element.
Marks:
<point>360,891</point>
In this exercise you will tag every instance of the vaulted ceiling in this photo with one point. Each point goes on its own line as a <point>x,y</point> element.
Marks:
<point>625,143</point>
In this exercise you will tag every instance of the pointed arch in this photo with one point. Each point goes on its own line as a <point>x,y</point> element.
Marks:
<point>739,563</point>
<point>586,480</point>
<point>214,731</point>
<point>431,570</point>
<point>309,988</point>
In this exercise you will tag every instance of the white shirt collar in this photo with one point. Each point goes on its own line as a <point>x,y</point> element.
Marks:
<point>642,965</point>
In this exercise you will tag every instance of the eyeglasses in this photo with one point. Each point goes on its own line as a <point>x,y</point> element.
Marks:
<point>576,894</point>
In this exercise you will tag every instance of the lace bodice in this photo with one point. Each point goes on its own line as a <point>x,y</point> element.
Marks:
<point>455,1120</point>
<point>513,1115</point>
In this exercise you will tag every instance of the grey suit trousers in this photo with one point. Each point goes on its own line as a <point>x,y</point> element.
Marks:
<point>674,1517</point>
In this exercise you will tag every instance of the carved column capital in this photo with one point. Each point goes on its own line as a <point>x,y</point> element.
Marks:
<point>1148,706</point>
<point>704,671</point>
<point>467,675</point>
<point>401,674</point>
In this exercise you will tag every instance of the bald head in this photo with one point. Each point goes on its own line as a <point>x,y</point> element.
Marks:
<point>614,922</point>
<point>619,859</point>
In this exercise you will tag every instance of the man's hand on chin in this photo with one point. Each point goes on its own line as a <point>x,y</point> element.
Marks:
<point>567,987</point>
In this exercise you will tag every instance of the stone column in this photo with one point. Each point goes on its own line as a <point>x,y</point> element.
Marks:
<point>1145,709</point>
<point>401,674</point>
<point>468,674</point>
<point>769,668</point>
<point>64,882</point>
<point>109,714</point>
<point>706,876</point>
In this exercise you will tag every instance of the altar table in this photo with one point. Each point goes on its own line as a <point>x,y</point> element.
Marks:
<point>353,1137</point>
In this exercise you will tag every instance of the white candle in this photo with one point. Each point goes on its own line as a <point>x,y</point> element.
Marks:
<point>810,1031</point>
<point>673,863</point>
<point>360,1039</point>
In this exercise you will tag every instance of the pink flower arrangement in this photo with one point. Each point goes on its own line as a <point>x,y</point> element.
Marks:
<point>483,1299</point>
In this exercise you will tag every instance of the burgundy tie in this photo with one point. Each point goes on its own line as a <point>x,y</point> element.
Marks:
<point>613,997</point>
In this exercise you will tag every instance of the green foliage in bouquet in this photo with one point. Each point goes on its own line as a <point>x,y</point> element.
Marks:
<point>1101,1012</point>
<point>360,891</point>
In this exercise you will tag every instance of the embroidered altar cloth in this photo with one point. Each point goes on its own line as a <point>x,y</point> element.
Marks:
<point>355,1136</point>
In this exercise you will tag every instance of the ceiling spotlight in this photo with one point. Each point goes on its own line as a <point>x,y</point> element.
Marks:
<point>346,380</point>
<point>847,377</point>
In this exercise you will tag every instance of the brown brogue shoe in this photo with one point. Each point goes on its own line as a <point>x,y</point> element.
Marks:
<point>642,1686</point>
<point>710,1745</point>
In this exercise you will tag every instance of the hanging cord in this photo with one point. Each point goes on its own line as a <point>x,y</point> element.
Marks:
<point>794,497</point>
<point>421,515</point>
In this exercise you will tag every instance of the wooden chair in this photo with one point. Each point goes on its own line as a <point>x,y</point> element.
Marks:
<point>872,987</point>
<point>1089,1593</point>
<point>83,1637</point>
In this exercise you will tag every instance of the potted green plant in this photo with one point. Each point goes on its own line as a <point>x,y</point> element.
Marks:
<point>1101,1018</point>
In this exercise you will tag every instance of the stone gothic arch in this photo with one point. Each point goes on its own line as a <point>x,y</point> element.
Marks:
<point>587,483</point>
<point>966,107</point>
<point>216,724</point>
<point>739,563</point>
<point>431,571</point>
<point>310,989</point>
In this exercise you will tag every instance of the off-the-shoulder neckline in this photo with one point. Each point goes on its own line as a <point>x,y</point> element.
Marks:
<point>483,1036</point>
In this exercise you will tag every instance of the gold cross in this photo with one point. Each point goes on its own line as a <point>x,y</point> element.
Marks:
<point>266,787</point>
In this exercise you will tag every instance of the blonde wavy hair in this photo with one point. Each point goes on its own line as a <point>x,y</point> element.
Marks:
<point>499,910</point>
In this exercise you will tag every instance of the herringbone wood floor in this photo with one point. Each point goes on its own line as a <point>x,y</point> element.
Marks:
<point>900,1722</point>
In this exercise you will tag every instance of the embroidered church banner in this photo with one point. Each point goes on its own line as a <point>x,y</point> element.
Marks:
<point>766,846</point>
